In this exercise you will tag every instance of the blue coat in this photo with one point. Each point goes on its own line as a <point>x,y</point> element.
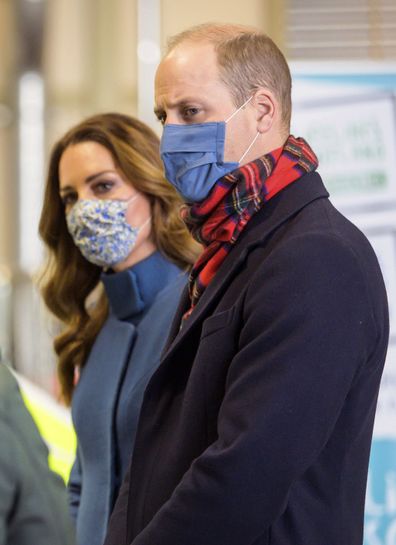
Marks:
<point>107,399</point>
<point>256,427</point>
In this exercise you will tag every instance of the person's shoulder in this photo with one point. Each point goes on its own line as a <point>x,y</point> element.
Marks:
<point>173,288</point>
<point>8,395</point>
<point>323,227</point>
<point>13,411</point>
<point>7,379</point>
<point>17,428</point>
<point>346,230</point>
<point>9,389</point>
<point>166,301</point>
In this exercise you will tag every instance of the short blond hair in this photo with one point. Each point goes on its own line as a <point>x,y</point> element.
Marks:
<point>247,59</point>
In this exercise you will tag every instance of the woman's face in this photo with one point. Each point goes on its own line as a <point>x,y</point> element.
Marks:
<point>87,171</point>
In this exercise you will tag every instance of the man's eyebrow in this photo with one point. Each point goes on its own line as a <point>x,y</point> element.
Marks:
<point>158,110</point>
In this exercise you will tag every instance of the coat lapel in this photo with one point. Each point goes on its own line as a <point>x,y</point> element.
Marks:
<point>269,218</point>
<point>183,306</point>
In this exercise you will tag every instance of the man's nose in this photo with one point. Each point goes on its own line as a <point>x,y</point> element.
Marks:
<point>173,118</point>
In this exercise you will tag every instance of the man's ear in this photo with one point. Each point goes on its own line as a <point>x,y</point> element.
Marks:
<point>266,108</point>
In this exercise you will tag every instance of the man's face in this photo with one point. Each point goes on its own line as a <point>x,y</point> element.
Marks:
<point>188,90</point>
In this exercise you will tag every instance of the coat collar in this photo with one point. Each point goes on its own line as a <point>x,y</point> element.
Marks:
<point>131,291</point>
<point>279,209</point>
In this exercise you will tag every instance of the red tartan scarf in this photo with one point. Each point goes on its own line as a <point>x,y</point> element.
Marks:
<point>218,221</point>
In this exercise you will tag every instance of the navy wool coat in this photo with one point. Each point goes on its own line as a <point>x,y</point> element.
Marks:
<point>107,399</point>
<point>256,427</point>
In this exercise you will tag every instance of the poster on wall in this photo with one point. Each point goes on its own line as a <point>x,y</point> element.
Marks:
<point>349,119</point>
<point>357,152</point>
<point>347,113</point>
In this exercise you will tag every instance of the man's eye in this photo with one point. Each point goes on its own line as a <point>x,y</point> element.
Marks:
<point>190,112</point>
<point>161,118</point>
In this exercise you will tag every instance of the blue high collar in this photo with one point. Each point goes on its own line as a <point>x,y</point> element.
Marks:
<point>131,291</point>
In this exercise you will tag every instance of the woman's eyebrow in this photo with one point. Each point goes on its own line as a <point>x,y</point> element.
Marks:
<point>88,179</point>
<point>93,176</point>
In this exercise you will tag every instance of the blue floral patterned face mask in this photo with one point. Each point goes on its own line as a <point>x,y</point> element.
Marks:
<point>100,230</point>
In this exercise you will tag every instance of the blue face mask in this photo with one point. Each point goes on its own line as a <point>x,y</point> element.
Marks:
<point>193,156</point>
<point>101,231</point>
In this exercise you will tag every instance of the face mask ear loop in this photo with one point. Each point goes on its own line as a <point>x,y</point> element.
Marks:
<point>247,151</point>
<point>239,109</point>
<point>148,220</point>
<point>131,199</point>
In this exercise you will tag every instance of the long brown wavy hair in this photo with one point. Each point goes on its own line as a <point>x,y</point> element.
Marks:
<point>69,279</point>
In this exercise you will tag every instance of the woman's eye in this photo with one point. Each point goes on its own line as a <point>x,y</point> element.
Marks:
<point>68,199</point>
<point>103,187</point>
